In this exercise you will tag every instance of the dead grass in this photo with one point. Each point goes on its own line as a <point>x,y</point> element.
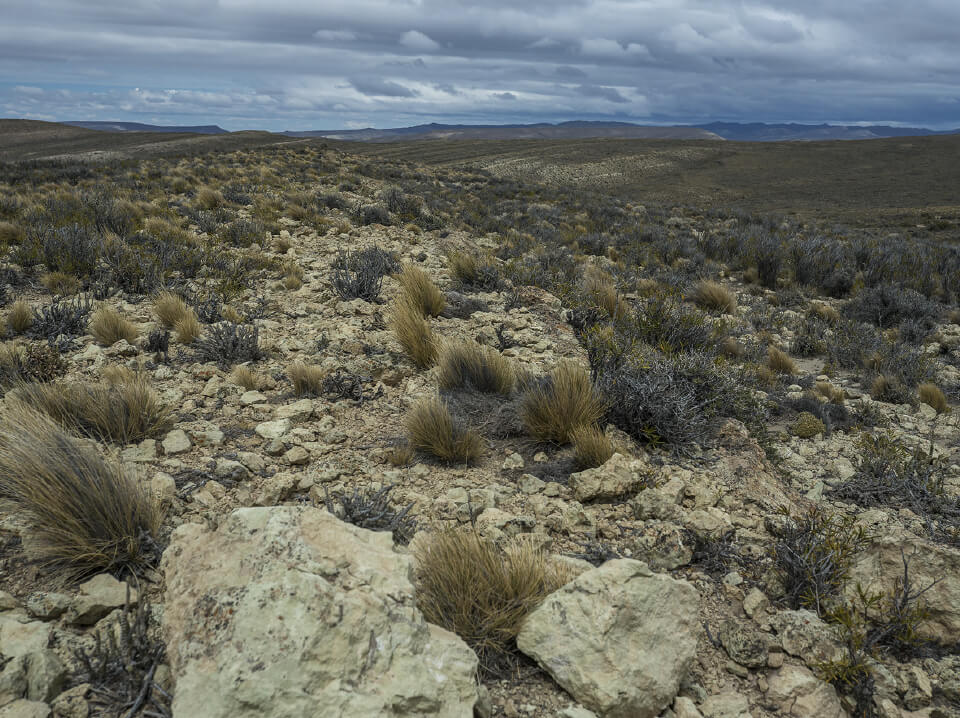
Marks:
<point>833,394</point>
<point>474,366</point>
<point>483,593</point>
<point>591,446</point>
<point>20,317</point>
<point>108,327</point>
<point>413,332</point>
<point>85,515</point>
<point>603,293</point>
<point>10,234</point>
<point>60,283</point>
<point>713,296</point>
<point>209,198</point>
<point>780,362</point>
<point>559,403</point>
<point>307,379</point>
<point>231,314</point>
<point>931,395</point>
<point>421,292</point>
<point>244,376</point>
<point>188,328</point>
<point>432,430</point>
<point>170,309</point>
<point>122,413</point>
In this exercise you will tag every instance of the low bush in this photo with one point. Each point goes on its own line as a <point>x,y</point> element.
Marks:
<point>67,318</point>
<point>432,430</point>
<point>108,327</point>
<point>483,593</point>
<point>474,366</point>
<point>359,275</point>
<point>85,515</point>
<point>413,332</point>
<point>554,405</point>
<point>29,362</point>
<point>887,305</point>
<point>227,343</point>
<point>421,291</point>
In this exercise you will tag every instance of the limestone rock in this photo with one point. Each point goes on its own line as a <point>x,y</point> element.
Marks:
<point>663,546</point>
<point>98,597</point>
<point>618,638</point>
<point>619,476</point>
<point>25,709</point>
<point>284,612</point>
<point>797,692</point>
<point>744,643</point>
<point>803,634</point>
<point>273,429</point>
<point>176,442</point>
<point>20,636</point>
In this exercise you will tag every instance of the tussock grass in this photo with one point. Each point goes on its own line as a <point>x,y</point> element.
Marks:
<point>231,314</point>
<point>307,379</point>
<point>432,430</point>
<point>85,515</point>
<point>713,296</point>
<point>552,407</point>
<point>244,376</point>
<point>20,317</point>
<point>413,332</point>
<point>108,327</point>
<point>780,362</point>
<point>10,234</point>
<point>170,309</point>
<point>833,394</point>
<point>603,292</point>
<point>474,366</point>
<point>209,198</point>
<point>60,283</point>
<point>123,413</point>
<point>188,328</point>
<point>931,395</point>
<point>591,447</point>
<point>483,593</point>
<point>730,347</point>
<point>421,292</point>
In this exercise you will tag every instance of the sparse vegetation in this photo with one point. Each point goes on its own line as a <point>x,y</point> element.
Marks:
<point>228,343</point>
<point>372,510</point>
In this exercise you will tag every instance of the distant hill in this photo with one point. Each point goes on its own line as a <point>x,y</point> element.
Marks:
<point>542,131</point>
<point>739,132</point>
<point>139,127</point>
<point>762,132</point>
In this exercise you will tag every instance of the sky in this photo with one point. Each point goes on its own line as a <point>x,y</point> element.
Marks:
<point>335,64</point>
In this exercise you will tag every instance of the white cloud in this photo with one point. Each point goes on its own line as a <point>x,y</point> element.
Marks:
<point>416,40</point>
<point>335,35</point>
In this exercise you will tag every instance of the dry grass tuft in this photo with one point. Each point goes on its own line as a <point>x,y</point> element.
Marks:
<point>209,198</point>
<point>421,292</point>
<point>245,376</point>
<point>780,362</point>
<point>170,309</point>
<point>231,314</point>
<point>20,317</point>
<point>954,316</point>
<point>731,348</point>
<point>85,515</point>
<point>833,394</point>
<point>931,395</point>
<point>483,593</point>
<point>123,413</point>
<point>10,234</point>
<point>431,429</point>
<point>401,455</point>
<point>60,283</point>
<point>603,292</point>
<point>591,446</point>
<point>824,312</point>
<point>188,328</point>
<point>108,327</point>
<point>559,403</point>
<point>714,296</point>
<point>413,332</point>
<point>307,379</point>
<point>474,366</point>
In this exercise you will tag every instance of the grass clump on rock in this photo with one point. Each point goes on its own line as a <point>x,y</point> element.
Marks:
<point>481,592</point>
<point>553,406</point>
<point>432,430</point>
<point>472,365</point>
<point>85,515</point>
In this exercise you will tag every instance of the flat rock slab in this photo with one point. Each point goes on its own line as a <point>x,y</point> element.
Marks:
<point>618,638</point>
<point>290,612</point>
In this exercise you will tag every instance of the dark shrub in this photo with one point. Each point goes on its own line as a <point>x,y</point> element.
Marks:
<point>68,318</point>
<point>887,305</point>
<point>228,343</point>
<point>359,275</point>
<point>372,510</point>
<point>372,214</point>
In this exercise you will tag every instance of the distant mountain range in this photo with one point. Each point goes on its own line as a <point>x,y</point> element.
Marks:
<point>738,132</point>
<point>139,127</point>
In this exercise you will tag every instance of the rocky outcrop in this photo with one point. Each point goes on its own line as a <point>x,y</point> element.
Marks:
<point>285,612</point>
<point>618,638</point>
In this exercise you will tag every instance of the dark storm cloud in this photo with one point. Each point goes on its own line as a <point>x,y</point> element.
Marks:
<point>304,64</point>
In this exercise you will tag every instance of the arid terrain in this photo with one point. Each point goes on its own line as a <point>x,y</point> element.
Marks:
<point>292,427</point>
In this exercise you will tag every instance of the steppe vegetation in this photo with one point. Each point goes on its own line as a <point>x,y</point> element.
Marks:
<point>513,378</point>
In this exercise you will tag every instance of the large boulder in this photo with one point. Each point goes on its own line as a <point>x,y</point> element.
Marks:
<point>880,567</point>
<point>285,612</point>
<point>618,638</point>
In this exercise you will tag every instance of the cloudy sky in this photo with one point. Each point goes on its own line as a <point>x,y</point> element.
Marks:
<point>331,64</point>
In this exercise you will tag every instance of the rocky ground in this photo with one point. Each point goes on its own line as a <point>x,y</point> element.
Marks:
<point>270,606</point>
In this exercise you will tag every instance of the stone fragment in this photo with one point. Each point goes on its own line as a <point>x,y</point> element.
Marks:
<point>176,442</point>
<point>98,597</point>
<point>797,692</point>
<point>619,476</point>
<point>270,430</point>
